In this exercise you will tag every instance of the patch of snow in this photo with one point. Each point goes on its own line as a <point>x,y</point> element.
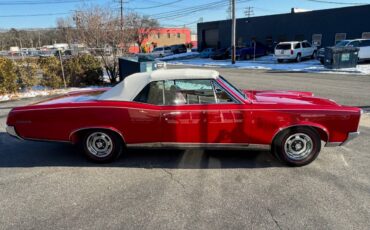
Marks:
<point>270,63</point>
<point>179,56</point>
<point>37,91</point>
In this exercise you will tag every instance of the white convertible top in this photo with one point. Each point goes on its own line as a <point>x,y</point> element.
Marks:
<point>133,84</point>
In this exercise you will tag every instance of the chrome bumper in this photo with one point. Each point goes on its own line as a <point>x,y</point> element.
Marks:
<point>11,131</point>
<point>350,137</point>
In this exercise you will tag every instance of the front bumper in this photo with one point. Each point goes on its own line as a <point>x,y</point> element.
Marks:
<point>12,132</point>
<point>350,137</point>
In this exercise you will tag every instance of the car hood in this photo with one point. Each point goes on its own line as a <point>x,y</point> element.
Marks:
<point>286,97</point>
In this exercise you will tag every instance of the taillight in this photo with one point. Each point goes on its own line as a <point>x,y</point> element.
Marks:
<point>291,52</point>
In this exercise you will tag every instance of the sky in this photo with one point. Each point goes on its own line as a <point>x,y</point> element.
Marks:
<point>44,13</point>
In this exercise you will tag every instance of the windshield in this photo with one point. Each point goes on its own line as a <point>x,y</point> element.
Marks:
<point>342,43</point>
<point>233,88</point>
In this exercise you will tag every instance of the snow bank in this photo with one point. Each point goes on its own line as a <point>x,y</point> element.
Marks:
<point>40,91</point>
<point>180,56</point>
<point>269,63</point>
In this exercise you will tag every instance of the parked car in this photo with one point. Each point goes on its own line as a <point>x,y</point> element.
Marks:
<point>362,44</point>
<point>178,49</point>
<point>225,53</point>
<point>220,54</point>
<point>187,108</point>
<point>294,51</point>
<point>207,52</point>
<point>252,51</point>
<point>162,51</point>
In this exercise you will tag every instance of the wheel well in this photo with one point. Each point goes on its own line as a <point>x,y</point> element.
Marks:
<point>324,136</point>
<point>77,135</point>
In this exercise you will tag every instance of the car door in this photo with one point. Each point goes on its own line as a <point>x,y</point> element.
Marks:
<point>145,117</point>
<point>365,47</point>
<point>200,112</point>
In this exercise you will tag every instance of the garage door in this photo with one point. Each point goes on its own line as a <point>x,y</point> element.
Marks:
<point>211,37</point>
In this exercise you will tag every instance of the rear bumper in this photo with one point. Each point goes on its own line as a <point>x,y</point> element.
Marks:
<point>12,132</point>
<point>350,137</point>
<point>285,57</point>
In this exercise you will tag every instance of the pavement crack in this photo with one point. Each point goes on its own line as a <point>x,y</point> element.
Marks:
<point>273,218</point>
<point>174,179</point>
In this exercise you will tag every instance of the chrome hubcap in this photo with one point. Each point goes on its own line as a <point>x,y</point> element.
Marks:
<point>99,144</point>
<point>298,146</point>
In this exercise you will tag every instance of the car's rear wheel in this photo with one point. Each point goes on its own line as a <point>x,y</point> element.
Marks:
<point>297,146</point>
<point>102,146</point>
<point>299,58</point>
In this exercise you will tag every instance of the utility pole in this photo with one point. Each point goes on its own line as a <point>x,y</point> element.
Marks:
<point>61,65</point>
<point>121,2</point>
<point>248,12</point>
<point>228,10</point>
<point>233,28</point>
<point>121,35</point>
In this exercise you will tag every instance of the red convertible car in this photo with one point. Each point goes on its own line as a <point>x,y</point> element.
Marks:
<point>184,108</point>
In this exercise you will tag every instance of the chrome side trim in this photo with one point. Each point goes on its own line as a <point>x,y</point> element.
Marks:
<point>12,132</point>
<point>199,145</point>
<point>350,137</point>
<point>296,125</point>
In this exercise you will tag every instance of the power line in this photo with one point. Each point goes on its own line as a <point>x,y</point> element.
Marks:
<point>11,3</point>
<point>32,15</point>
<point>156,6</point>
<point>248,12</point>
<point>190,10</point>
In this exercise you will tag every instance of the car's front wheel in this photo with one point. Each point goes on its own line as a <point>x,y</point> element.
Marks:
<point>102,146</point>
<point>297,146</point>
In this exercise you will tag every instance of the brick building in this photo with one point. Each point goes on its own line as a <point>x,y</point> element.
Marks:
<point>164,37</point>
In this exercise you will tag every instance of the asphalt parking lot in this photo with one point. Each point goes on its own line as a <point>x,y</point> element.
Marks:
<point>50,185</point>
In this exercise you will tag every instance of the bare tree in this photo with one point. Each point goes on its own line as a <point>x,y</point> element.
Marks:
<point>99,29</point>
<point>140,27</point>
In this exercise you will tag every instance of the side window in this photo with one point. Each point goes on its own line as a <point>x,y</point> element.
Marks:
<point>297,46</point>
<point>307,45</point>
<point>151,94</point>
<point>365,43</point>
<point>180,92</point>
<point>221,95</point>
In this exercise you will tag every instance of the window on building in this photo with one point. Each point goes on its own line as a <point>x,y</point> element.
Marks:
<point>339,37</point>
<point>178,35</point>
<point>240,41</point>
<point>168,35</point>
<point>158,35</point>
<point>316,39</point>
<point>366,35</point>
